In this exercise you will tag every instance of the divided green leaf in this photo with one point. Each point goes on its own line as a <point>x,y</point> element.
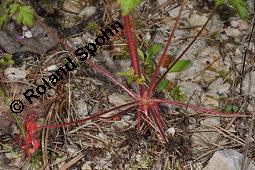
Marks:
<point>231,108</point>
<point>7,60</point>
<point>3,20</point>
<point>239,6</point>
<point>131,76</point>
<point>178,94</point>
<point>13,9</point>
<point>25,16</point>
<point>128,5</point>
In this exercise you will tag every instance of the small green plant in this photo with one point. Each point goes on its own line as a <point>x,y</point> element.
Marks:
<point>177,94</point>
<point>128,5</point>
<point>231,108</point>
<point>36,160</point>
<point>131,76</point>
<point>92,25</point>
<point>147,58</point>
<point>10,9</point>
<point>238,5</point>
<point>7,60</point>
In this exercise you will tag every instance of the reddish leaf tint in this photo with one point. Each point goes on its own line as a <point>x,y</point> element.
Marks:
<point>31,143</point>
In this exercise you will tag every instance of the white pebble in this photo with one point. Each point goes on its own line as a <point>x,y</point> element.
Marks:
<point>28,34</point>
<point>14,74</point>
<point>24,28</point>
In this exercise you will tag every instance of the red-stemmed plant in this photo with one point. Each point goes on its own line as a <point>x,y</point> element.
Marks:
<point>145,104</point>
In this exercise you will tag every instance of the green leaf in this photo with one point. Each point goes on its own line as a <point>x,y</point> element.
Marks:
<point>128,5</point>
<point>219,2</point>
<point>131,76</point>
<point>177,94</point>
<point>3,20</point>
<point>2,61</point>
<point>7,60</point>
<point>10,62</point>
<point>181,65</point>
<point>25,16</point>
<point>140,54</point>
<point>153,50</point>
<point>231,108</point>
<point>240,7</point>
<point>163,84</point>
<point>8,57</point>
<point>13,9</point>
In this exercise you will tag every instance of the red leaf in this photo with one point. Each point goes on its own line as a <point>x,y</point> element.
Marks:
<point>31,144</point>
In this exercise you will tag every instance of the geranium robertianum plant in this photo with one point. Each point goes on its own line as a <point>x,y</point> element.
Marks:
<point>144,103</point>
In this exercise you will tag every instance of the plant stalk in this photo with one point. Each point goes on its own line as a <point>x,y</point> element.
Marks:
<point>132,47</point>
<point>163,56</point>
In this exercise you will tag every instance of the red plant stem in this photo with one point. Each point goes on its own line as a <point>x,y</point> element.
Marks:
<point>109,75</point>
<point>133,50</point>
<point>157,117</point>
<point>89,118</point>
<point>163,56</point>
<point>194,107</point>
<point>185,50</point>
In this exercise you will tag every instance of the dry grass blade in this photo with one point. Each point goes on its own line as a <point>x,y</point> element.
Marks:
<point>72,162</point>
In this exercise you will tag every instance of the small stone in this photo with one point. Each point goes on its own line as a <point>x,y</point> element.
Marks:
<point>161,1</point>
<point>72,6</point>
<point>82,108</point>
<point>224,37</point>
<point>119,99</point>
<point>211,122</point>
<point>209,100</point>
<point>14,74</point>
<point>252,47</point>
<point>87,11</point>
<point>228,159</point>
<point>24,28</point>
<point>174,12</point>
<point>249,84</point>
<point>234,24</point>
<point>207,76</point>
<point>148,36</point>
<point>86,166</point>
<point>76,42</point>
<point>52,68</point>
<point>170,131</point>
<point>232,32</point>
<point>218,87</point>
<point>189,88</point>
<point>196,19</point>
<point>28,34</point>
<point>238,52</point>
<point>158,38</point>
